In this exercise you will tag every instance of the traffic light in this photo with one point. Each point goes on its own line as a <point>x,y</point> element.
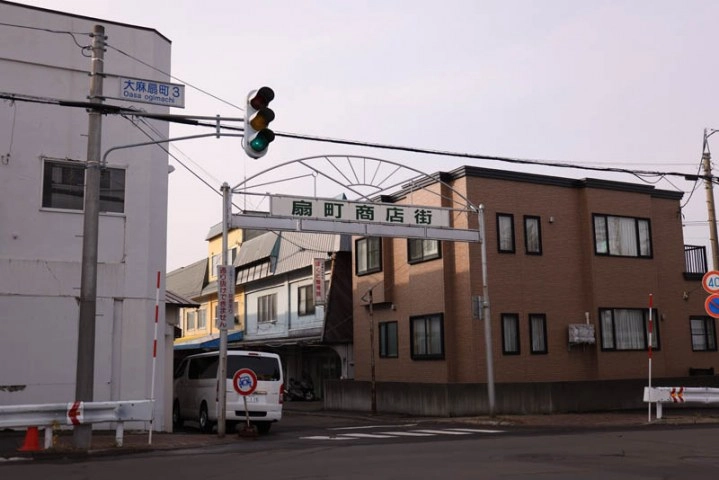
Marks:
<point>257,117</point>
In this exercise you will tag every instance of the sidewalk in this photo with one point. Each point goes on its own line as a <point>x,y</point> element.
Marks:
<point>103,442</point>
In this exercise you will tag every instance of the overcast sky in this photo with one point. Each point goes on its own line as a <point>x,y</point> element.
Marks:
<point>604,83</point>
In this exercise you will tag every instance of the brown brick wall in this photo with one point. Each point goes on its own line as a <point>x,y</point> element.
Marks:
<point>563,283</point>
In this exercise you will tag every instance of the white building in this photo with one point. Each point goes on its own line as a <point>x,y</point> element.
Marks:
<point>43,148</point>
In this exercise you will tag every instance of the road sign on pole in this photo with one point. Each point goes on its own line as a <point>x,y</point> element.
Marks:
<point>710,281</point>
<point>711,305</point>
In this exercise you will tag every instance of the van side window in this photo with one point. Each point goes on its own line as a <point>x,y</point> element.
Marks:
<point>180,371</point>
<point>266,368</point>
<point>202,367</point>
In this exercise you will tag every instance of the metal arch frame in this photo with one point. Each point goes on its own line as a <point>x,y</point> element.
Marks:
<point>470,207</point>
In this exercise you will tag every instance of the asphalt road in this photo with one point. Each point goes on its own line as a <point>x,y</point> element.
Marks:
<point>318,447</point>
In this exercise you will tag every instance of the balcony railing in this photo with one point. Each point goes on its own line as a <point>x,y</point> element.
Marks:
<point>695,259</point>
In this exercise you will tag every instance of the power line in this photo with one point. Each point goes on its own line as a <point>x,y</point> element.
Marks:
<point>192,120</point>
<point>172,76</point>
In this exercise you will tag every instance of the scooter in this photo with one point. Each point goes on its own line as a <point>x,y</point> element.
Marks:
<point>302,390</point>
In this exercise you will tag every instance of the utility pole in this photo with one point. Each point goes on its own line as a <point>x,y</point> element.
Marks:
<point>222,366</point>
<point>373,379</point>
<point>709,185</point>
<point>84,381</point>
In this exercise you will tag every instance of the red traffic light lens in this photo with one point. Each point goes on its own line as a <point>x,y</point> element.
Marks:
<point>262,98</point>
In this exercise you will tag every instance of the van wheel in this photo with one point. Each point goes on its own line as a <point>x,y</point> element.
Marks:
<point>262,427</point>
<point>176,418</point>
<point>204,419</point>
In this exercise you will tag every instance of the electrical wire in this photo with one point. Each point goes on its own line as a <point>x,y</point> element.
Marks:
<point>112,47</point>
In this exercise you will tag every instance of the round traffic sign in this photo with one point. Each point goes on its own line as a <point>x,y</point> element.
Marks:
<point>244,381</point>
<point>710,281</point>
<point>711,305</point>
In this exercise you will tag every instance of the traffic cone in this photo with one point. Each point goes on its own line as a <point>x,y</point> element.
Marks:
<point>31,444</point>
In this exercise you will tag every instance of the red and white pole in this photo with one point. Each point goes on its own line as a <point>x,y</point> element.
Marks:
<point>154,355</point>
<point>651,305</point>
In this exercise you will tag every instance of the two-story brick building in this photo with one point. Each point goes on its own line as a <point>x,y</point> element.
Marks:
<point>571,266</point>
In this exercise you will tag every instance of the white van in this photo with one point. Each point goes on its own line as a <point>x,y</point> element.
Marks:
<point>196,390</point>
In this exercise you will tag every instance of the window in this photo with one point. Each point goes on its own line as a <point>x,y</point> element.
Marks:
<point>64,186</point>
<point>427,333</point>
<point>510,334</point>
<point>532,235</point>
<point>236,309</point>
<point>627,329</point>
<point>202,319</point>
<point>505,233</point>
<point>267,308</point>
<point>420,250</point>
<point>538,332</point>
<point>369,255</point>
<point>214,262</point>
<point>388,339</point>
<point>622,236</point>
<point>703,334</point>
<point>191,320</point>
<point>305,300</point>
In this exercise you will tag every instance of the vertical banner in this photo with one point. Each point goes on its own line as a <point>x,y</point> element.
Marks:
<point>318,280</point>
<point>225,296</point>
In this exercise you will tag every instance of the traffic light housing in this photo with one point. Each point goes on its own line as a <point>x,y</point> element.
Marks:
<point>257,117</point>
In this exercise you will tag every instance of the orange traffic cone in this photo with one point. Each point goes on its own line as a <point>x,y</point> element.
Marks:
<point>31,443</point>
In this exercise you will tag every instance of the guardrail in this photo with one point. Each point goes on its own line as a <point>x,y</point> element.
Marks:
<point>51,415</point>
<point>661,395</point>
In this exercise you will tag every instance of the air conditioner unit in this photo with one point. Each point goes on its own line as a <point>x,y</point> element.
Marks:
<point>581,333</point>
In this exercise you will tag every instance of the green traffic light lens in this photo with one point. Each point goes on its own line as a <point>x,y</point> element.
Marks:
<point>262,140</point>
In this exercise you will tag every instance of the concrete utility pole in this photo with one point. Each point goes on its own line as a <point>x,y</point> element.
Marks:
<point>709,185</point>
<point>222,367</point>
<point>84,381</point>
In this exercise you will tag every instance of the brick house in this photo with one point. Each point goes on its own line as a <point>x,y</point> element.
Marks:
<point>571,266</point>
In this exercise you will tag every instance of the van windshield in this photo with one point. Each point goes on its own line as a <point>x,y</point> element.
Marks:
<point>266,368</point>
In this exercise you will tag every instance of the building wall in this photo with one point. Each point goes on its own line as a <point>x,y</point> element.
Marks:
<point>565,282</point>
<point>40,249</point>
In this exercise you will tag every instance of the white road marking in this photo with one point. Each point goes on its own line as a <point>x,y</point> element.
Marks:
<point>366,435</point>
<point>408,434</point>
<point>374,426</point>
<point>476,430</point>
<point>325,437</point>
<point>443,432</point>
<point>397,434</point>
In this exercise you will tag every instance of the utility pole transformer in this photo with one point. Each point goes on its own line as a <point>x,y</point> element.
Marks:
<point>84,381</point>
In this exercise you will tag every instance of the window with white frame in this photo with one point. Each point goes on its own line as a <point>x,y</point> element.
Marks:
<point>368,252</point>
<point>505,232</point>
<point>305,300</point>
<point>532,235</point>
<point>267,308</point>
<point>703,331</point>
<point>627,329</point>
<point>510,333</point>
<point>427,333</point>
<point>538,332</point>
<point>202,319</point>
<point>191,319</point>
<point>421,250</point>
<point>388,339</point>
<point>622,236</point>
<point>63,187</point>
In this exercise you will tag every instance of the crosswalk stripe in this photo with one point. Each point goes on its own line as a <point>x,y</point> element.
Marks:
<point>366,435</point>
<point>408,434</point>
<point>475,430</point>
<point>443,432</point>
<point>325,437</point>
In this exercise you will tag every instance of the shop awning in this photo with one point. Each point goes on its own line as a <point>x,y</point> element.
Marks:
<point>211,342</point>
